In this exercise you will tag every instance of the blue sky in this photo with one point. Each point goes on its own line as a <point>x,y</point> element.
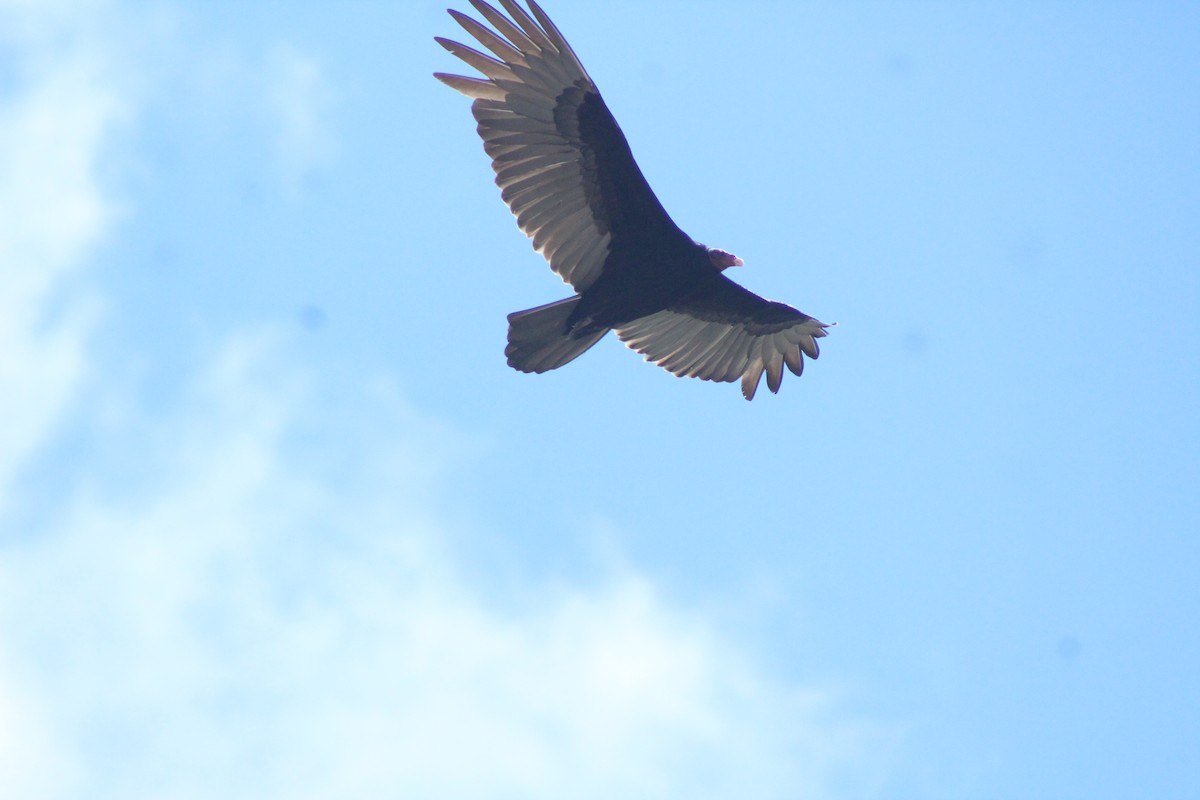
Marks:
<point>276,519</point>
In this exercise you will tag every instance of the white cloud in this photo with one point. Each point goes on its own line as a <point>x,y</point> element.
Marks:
<point>298,99</point>
<point>31,764</point>
<point>279,99</point>
<point>244,629</point>
<point>52,135</point>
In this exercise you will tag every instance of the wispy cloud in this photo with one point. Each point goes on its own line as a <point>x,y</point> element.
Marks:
<point>299,100</point>
<point>53,133</point>
<point>245,629</point>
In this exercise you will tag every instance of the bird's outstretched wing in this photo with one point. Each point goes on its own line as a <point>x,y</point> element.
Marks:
<point>723,332</point>
<point>561,161</point>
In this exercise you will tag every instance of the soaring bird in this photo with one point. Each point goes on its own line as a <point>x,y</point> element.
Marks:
<point>566,172</point>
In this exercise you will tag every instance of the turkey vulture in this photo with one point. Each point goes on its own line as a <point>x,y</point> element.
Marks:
<point>566,172</point>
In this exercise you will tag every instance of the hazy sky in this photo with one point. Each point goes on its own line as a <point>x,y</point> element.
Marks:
<point>277,521</point>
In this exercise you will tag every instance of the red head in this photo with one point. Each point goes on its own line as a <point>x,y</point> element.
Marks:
<point>723,260</point>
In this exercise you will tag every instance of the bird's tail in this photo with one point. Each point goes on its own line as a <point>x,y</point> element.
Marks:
<point>538,339</point>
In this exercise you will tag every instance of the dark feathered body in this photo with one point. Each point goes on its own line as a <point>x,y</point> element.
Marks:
<point>640,280</point>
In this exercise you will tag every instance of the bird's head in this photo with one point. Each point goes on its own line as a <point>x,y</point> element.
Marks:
<point>722,260</point>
